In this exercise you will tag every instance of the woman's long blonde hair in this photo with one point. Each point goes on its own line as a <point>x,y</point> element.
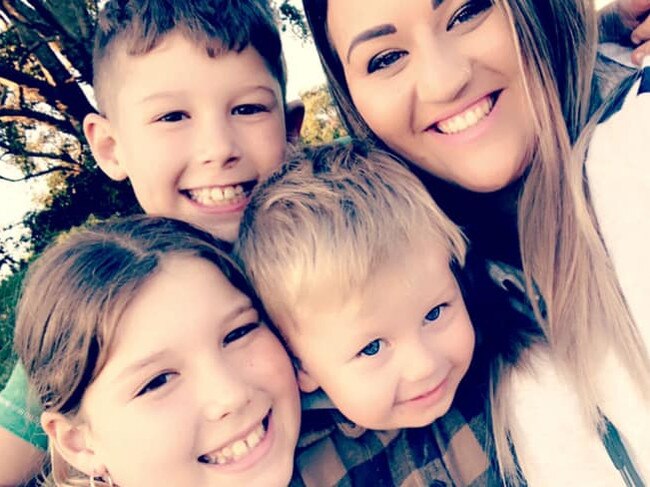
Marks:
<point>561,248</point>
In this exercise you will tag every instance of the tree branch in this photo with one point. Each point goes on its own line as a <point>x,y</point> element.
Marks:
<point>63,157</point>
<point>25,114</point>
<point>39,174</point>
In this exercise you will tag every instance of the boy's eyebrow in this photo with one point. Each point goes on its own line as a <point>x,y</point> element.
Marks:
<point>172,94</point>
<point>368,34</point>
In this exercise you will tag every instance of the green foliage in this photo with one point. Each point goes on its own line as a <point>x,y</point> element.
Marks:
<point>9,291</point>
<point>321,123</point>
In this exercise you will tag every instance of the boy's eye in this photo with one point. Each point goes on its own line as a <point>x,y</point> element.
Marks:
<point>434,314</point>
<point>371,349</point>
<point>249,109</point>
<point>173,117</point>
<point>240,332</point>
<point>384,60</point>
<point>156,383</point>
<point>468,11</point>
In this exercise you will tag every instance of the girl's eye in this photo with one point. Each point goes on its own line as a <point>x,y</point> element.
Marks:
<point>249,109</point>
<point>384,60</point>
<point>240,332</point>
<point>156,383</point>
<point>172,117</point>
<point>371,349</point>
<point>434,314</point>
<point>468,11</point>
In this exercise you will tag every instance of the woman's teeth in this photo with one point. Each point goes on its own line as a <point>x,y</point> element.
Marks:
<point>467,119</point>
<point>235,450</point>
<point>217,195</point>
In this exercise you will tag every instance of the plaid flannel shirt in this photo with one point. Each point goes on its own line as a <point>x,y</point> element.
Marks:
<point>452,451</point>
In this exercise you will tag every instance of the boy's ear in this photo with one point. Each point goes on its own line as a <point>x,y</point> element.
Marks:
<point>294,115</point>
<point>99,134</point>
<point>71,441</point>
<point>306,382</point>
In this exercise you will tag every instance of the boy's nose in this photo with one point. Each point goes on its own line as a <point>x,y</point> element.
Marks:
<point>420,362</point>
<point>218,145</point>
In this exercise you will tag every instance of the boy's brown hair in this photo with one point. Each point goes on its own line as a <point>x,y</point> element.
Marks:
<point>329,218</point>
<point>138,26</point>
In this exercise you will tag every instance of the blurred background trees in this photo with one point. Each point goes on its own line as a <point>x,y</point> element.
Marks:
<point>45,92</point>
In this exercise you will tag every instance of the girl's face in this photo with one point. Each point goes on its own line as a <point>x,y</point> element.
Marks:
<point>439,82</point>
<point>195,390</point>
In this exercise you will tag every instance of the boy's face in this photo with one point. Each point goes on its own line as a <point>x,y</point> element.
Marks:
<point>195,390</point>
<point>192,133</point>
<point>393,355</point>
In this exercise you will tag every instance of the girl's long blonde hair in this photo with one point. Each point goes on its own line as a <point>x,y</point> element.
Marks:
<point>561,248</point>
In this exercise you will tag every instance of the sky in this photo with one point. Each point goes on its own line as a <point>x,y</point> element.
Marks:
<point>304,72</point>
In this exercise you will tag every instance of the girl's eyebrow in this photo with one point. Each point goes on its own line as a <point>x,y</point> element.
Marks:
<point>372,33</point>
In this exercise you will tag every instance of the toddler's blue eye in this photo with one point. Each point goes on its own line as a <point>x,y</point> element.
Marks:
<point>371,349</point>
<point>434,314</point>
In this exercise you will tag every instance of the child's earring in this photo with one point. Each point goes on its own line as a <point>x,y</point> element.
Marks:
<point>105,478</point>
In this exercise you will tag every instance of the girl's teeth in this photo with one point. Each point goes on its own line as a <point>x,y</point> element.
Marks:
<point>237,449</point>
<point>467,119</point>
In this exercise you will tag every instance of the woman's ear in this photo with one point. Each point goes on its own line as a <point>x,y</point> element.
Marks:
<point>71,442</point>
<point>103,145</point>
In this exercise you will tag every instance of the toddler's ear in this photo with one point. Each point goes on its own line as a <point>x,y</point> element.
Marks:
<point>306,382</point>
<point>294,115</point>
<point>102,142</point>
<point>70,441</point>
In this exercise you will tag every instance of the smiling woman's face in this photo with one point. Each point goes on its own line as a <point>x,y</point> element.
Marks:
<point>439,82</point>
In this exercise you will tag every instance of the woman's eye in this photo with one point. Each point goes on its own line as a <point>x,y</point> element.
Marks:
<point>468,11</point>
<point>240,332</point>
<point>371,349</point>
<point>249,109</point>
<point>172,117</point>
<point>384,60</point>
<point>156,383</point>
<point>434,314</point>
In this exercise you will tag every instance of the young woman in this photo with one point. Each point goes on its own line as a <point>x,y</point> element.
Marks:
<point>144,345</point>
<point>493,104</point>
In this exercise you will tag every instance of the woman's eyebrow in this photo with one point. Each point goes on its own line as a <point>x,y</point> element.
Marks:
<point>372,33</point>
<point>380,30</point>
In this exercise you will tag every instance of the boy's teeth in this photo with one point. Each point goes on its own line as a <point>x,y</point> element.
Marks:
<point>235,450</point>
<point>467,119</point>
<point>217,195</point>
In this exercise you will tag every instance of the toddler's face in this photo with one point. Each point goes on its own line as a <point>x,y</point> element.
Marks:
<point>392,355</point>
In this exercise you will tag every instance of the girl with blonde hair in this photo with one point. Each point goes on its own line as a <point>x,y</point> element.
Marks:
<point>493,104</point>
